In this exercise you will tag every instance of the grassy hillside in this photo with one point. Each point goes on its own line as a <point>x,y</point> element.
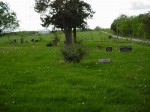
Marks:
<point>33,77</point>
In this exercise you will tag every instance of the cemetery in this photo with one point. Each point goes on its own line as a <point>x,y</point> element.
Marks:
<point>36,76</point>
<point>69,66</point>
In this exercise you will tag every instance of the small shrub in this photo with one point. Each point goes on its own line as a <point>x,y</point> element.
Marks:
<point>73,53</point>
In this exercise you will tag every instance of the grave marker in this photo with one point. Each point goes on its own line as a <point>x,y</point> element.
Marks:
<point>14,41</point>
<point>125,48</point>
<point>108,49</point>
<point>36,40</point>
<point>32,40</point>
<point>54,42</point>
<point>104,60</point>
<point>21,40</point>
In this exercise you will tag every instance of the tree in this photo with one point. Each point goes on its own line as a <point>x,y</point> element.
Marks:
<point>64,14</point>
<point>8,19</point>
<point>97,28</point>
<point>136,26</point>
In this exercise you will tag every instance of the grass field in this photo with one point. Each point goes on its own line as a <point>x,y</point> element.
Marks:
<point>33,77</point>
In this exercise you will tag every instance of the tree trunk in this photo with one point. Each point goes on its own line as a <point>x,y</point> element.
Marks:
<point>68,36</point>
<point>68,41</point>
<point>74,35</point>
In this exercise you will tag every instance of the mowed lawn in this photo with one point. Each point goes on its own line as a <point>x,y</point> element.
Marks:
<point>34,78</point>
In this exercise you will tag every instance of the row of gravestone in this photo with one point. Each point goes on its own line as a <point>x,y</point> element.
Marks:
<point>121,48</point>
<point>22,41</point>
<point>109,49</point>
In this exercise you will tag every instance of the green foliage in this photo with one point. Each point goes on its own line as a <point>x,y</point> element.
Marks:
<point>8,20</point>
<point>136,26</point>
<point>73,53</point>
<point>71,12</point>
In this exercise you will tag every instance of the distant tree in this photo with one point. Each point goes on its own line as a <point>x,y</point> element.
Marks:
<point>147,24</point>
<point>64,14</point>
<point>114,25</point>
<point>97,28</point>
<point>8,19</point>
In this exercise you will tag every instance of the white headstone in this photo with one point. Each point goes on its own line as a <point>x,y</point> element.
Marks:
<point>104,60</point>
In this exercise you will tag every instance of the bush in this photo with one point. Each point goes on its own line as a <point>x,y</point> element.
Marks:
<point>73,53</point>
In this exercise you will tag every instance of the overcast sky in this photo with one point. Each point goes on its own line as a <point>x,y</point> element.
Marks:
<point>106,12</point>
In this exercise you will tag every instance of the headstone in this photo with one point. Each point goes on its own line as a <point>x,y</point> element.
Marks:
<point>21,40</point>
<point>108,49</point>
<point>32,40</point>
<point>104,60</point>
<point>14,41</point>
<point>49,44</point>
<point>54,42</point>
<point>36,40</point>
<point>125,48</point>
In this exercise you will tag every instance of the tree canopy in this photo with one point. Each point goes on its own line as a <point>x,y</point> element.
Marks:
<point>64,14</point>
<point>136,26</point>
<point>8,19</point>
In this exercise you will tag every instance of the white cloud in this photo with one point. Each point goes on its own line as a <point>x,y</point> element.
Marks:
<point>140,5</point>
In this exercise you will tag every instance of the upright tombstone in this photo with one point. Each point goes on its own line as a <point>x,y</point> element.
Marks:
<point>109,49</point>
<point>32,40</point>
<point>14,41</point>
<point>125,48</point>
<point>36,40</point>
<point>21,40</point>
<point>54,42</point>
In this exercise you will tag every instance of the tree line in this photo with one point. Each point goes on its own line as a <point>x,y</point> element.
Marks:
<point>133,26</point>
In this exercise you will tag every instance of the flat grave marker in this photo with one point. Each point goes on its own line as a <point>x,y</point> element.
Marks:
<point>104,60</point>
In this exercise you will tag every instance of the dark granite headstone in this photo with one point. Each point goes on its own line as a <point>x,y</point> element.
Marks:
<point>21,40</point>
<point>36,40</point>
<point>49,44</point>
<point>32,40</point>
<point>125,48</point>
<point>14,41</point>
<point>108,49</point>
